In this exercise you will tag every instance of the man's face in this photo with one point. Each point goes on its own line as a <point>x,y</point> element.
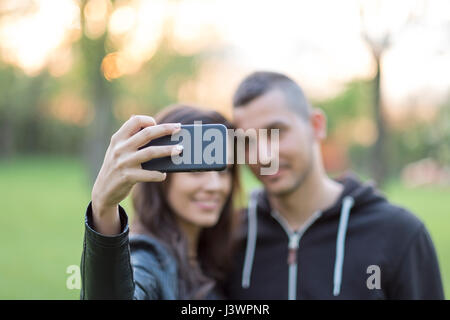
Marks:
<point>296,138</point>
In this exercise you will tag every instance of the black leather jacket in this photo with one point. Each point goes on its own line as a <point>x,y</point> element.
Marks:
<point>125,267</point>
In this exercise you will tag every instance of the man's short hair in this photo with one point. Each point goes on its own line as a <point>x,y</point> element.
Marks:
<point>261,82</point>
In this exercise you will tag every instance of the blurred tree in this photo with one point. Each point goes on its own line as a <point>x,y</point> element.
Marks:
<point>352,102</point>
<point>439,137</point>
<point>19,114</point>
<point>378,33</point>
<point>420,140</point>
<point>101,94</point>
<point>6,127</point>
<point>35,110</point>
<point>344,112</point>
<point>152,88</point>
<point>157,84</point>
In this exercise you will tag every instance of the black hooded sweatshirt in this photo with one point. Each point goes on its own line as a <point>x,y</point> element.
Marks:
<point>362,247</point>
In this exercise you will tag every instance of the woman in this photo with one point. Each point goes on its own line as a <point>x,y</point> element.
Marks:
<point>180,242</point>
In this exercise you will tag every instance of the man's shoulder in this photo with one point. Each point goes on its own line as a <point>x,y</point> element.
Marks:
<point>391,215</point>
<point>394,226</point>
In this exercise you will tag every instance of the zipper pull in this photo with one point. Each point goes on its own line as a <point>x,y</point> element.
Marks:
<point>294,240</point>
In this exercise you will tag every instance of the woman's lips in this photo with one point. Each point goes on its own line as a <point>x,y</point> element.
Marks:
<point>207,204</point>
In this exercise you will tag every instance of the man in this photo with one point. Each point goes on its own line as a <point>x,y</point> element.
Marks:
<point>307,236</point>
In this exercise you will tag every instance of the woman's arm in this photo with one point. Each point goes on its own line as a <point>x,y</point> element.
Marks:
<point>106,271</point>
<point>121,168</point>
<point>109,271</point>
<point>105,266</point>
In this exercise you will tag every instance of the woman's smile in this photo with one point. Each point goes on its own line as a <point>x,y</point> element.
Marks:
<point>208,204</point>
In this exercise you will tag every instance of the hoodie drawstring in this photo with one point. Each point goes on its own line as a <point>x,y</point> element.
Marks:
<point>347,204</point>
<point>251,240</point>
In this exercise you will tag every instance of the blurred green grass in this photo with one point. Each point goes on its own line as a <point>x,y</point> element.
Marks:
<point>43,203</point>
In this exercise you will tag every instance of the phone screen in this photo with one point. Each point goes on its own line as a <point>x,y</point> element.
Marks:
<point>204,149</point>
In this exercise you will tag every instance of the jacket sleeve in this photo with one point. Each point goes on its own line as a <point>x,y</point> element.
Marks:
<point>417,275</point>
<point>106,269</point>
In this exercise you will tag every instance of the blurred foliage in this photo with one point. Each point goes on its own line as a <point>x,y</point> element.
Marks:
<point>408,143</point>
<point>33,118</point>
<point>352,102</point>
<point>421,140</point>
<point>439,137</point>
<point>27,124</point>
<point>157,84</point>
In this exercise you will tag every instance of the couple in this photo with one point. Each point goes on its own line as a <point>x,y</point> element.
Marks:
<point>304,236</point>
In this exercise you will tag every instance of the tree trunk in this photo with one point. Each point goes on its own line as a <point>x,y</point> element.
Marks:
<point>6,133</point>
<point>379,162</point>
<point>101,95</point>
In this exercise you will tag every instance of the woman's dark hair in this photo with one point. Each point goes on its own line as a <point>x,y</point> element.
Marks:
<point>155,217</point>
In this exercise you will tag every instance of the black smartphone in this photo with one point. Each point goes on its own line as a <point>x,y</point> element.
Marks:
<point>204,149</point>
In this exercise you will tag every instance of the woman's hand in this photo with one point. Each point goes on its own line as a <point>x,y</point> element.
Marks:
<point>122,169</point>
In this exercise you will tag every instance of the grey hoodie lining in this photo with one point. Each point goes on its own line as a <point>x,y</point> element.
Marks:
<point>347,204</point>
<point>251,239</point>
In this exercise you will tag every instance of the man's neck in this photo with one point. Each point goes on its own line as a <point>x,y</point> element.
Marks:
<point>317,192</point>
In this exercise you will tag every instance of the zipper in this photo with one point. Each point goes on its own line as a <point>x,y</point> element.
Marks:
<point>294,241</point>
<point>293,246</point>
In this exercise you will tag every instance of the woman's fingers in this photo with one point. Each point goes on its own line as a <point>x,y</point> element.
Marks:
<point>141,175</point>
<point>150,133</point>
<point>133,125</point>
<point>153,152</point>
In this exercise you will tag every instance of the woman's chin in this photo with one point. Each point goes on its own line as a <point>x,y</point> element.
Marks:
<point>203,214</point>
<point>207,219</point>
<point>207,222</point>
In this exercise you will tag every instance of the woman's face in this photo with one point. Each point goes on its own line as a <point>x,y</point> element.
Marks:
<point>198,197</point>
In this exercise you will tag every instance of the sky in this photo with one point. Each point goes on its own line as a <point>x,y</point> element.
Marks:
<point>318,43</point>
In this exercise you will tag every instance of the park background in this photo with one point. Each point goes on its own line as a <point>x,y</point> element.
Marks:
<point>72,71</point>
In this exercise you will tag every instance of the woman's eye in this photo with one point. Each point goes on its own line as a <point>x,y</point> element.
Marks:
<point>197,173</point>
<point>227,170</point>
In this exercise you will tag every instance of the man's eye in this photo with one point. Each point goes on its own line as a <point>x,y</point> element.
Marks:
<point>270,131</point>
<point>280,131</point>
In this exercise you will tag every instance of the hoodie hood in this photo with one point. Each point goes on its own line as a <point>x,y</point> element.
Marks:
<point>362,193</point>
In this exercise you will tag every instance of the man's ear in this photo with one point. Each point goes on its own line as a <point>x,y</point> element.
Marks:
<point>319,123</point>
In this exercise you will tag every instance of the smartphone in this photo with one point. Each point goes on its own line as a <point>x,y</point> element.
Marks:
<point>204,149</point>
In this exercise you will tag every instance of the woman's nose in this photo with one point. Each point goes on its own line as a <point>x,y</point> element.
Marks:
<point>212,181</point>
